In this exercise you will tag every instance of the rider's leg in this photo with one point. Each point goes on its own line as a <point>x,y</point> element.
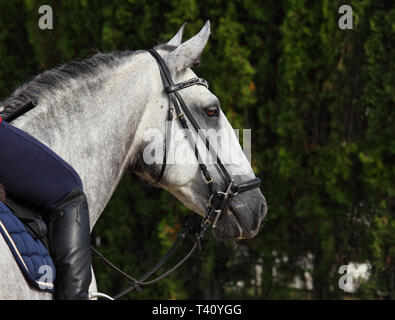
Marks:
<point>30,170</point>
<point>69,238</point>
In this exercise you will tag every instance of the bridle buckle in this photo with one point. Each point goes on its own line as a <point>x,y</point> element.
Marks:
<point>210,180</point>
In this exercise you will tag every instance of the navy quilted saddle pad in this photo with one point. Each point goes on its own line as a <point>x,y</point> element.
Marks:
<point>31,255</point>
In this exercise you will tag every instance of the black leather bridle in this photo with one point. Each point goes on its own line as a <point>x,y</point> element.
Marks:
<point>219,201</point>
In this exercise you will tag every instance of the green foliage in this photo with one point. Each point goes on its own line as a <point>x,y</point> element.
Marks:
<point>320,102</point>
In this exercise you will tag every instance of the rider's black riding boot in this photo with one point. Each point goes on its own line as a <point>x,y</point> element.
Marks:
<point>69,239</point>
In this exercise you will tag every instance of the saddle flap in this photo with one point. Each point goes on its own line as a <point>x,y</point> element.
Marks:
<point>31,218</point>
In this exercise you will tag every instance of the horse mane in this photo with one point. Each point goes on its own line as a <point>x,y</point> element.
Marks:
<point>53,79</point>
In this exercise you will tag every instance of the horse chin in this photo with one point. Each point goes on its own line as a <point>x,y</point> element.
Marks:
<point>227,227</point>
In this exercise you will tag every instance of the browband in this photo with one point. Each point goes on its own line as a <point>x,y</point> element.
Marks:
<point>186,84</point>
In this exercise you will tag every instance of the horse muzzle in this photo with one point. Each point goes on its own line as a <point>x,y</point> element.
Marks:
<point>241,216</point>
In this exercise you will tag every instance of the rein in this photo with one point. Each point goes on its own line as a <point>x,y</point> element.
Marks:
<point>191,225</point>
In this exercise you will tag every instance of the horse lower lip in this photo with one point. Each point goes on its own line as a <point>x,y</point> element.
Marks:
<point>233,210</point>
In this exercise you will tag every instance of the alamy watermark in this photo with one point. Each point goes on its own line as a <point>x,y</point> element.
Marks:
<point>209,143</point>
<point>46,20</point>
<point>351,275</point>
<point>345,21</point>
<point>47,278</point>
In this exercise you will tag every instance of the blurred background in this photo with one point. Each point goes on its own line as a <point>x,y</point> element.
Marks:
<point>320,103</point>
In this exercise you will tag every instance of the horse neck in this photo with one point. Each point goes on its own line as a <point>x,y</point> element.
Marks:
<point>96,131</point>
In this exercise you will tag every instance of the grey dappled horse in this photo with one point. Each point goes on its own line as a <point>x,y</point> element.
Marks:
<point>95,113</point>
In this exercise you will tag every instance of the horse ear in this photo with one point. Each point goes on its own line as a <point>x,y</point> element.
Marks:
<point>177,39</point>
<point>187,54</point>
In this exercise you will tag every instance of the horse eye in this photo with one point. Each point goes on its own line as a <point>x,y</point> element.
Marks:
<point>212,111</point>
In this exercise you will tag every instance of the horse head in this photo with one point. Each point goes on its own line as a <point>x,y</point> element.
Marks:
<point>180,171</point>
